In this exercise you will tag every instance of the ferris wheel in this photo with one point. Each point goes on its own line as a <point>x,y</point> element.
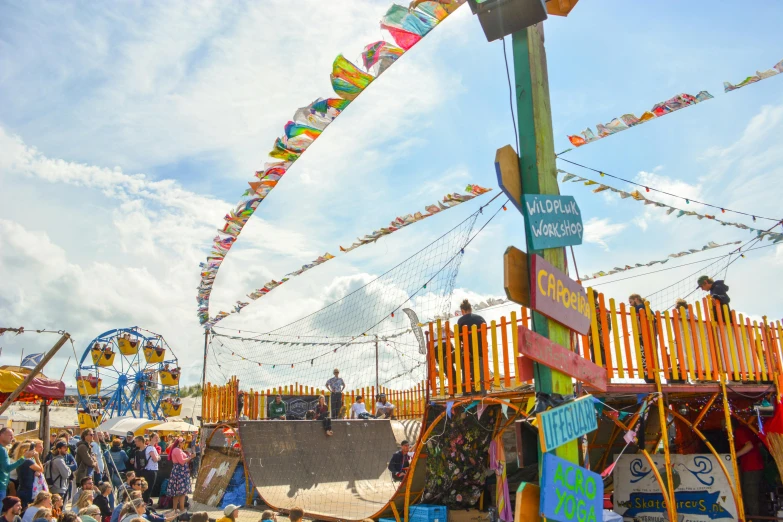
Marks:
<point>127,371</point>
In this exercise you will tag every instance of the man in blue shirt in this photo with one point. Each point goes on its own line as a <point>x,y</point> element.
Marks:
<point>6,466</point>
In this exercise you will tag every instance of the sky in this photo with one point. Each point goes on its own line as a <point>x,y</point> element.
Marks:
<point>127,131</point>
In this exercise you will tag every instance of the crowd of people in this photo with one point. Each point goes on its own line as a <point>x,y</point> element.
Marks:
<point>105,479</point>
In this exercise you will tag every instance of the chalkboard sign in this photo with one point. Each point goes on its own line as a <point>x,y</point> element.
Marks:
<point>296,406</point>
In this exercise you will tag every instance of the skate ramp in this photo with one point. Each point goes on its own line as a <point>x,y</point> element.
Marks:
<point>345,476</point>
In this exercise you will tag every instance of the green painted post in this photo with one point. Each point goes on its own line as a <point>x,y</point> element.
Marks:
<point>539,176</point>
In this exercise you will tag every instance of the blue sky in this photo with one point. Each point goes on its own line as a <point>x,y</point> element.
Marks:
<point>128,130</point>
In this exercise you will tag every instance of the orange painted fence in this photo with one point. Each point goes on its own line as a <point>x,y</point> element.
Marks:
<point>693,344</point>
<point>219,403</point>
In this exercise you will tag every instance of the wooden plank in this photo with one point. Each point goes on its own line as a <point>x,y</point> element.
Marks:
<point>449,362</point>
<point>626,341</point>
<point>457,362</point>
<point>515,346</point>
<point>605,335</point>
<point>506,353</point>
<point>673,340</point>
<point>557,296</point>
<point>552,355</point>
<point>597,357</point>
<point>695,337</point>
<point>485,356</point>
<point>705,347</point>
<point>495,362</point>
<point>616,336</point>
<point>635,339</point>
<point>516,276</point>
<point>441,376</point>
<point>465,342</point>
<point>507,171</point>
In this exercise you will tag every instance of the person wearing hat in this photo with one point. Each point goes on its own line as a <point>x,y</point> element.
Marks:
<point>59,472</point>
<point>336,386</point>
<point>128,445</point>
<point>383,409</point>
<point>12,506</point>
<point>231,513</point>
<point>718,291</point>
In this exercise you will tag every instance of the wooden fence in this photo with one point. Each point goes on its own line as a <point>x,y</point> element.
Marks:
<point>219,403</point>
<point>693,344</point>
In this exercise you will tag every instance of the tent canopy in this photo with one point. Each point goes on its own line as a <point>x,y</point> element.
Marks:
<point>120,426</point>
<point>179,426</point>
<point>41,387</point>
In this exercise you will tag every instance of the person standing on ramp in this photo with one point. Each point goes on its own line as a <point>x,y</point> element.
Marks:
<point>336,386</point>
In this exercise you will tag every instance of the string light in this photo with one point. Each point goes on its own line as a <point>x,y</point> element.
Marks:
<point>504,207</point>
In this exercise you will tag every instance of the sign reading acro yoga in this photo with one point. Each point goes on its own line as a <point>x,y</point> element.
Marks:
<point>569,492</point>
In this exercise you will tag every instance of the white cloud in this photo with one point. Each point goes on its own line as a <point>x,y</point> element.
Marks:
<point>601,230</point>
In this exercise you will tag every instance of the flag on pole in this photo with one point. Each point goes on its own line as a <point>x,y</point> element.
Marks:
<point>32,360</point>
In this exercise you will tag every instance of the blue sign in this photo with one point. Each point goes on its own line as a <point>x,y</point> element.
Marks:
<point>569,492</point>
<point>566,423</point>
<point>553,221</point>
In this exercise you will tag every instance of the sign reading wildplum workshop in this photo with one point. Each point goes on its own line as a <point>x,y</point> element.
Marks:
<point>553,221</point>
<point>701,491</point>
<point>569,492</point>
<point>557,296</point>
<point>566,423</point>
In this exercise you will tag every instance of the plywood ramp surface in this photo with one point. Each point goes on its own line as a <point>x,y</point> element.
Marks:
<point>345,476</point>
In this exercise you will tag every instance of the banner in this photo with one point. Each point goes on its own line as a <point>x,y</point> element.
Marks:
<point>701,491</point>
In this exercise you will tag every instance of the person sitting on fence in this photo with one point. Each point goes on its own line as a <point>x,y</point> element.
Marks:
<point>470,320</point>
<point>400,462</point>
<point>359,410</point>
<point>383,409</point>
<point>321,413</point>
<point>277,409</point>
<point>718,290</point>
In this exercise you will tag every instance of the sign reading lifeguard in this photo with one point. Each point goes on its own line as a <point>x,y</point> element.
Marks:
<point>554,221</point>
<point>557,296</point>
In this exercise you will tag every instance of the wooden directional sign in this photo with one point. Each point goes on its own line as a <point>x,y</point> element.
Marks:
<point>551,354</point>
<point>569,492</point>
<point>557,296</point>
<point>509,180</point>
<point>553,221</point>
<point>566,423</point>
<point>516,276</point>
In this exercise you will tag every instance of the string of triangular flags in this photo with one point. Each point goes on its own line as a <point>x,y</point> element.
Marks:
<point>626,121</point>
<point>708,246</point>
<point>210,269</point>
<point>775,237</point>
<point>407,26</point>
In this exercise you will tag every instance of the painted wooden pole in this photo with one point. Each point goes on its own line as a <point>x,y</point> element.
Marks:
<point>539,175</point>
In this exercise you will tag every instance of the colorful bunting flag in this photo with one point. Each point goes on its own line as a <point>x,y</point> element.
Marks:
<point>407,26</point>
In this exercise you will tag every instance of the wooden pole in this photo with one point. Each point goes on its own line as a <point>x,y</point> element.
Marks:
<point>35,371</point>
<point>539,176</point>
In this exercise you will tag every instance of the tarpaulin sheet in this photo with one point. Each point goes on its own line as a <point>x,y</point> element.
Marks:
<point>39,387</point>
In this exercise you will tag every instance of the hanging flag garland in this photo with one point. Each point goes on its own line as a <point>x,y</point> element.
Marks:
<point>209,272</point>
<point>626,121</point>
<point>407,26</point>
<point>775,237</point>
<point>708,246</point>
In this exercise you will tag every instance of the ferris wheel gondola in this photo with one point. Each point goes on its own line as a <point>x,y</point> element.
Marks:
<point>127,371</point>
